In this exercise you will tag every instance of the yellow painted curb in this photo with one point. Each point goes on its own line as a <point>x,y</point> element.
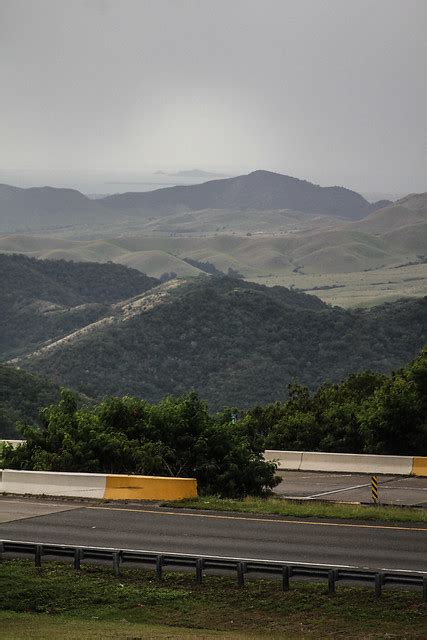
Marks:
<point>419,467</point>
<point>120,487</point>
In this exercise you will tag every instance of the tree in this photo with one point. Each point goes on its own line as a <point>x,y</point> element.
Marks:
<point>176,437</point>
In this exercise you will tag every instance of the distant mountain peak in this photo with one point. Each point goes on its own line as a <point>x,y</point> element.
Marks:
<point>259,190</point>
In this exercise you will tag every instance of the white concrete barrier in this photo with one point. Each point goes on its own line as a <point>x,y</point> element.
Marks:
<point>96,485</point>
<point>341,462</point>
<point>50,483</point>
<point>290,460</point>
<point>14,443</point>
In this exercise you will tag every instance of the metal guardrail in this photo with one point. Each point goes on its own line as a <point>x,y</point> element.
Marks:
<point>201,564</point>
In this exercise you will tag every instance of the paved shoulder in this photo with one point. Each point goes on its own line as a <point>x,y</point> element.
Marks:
<point>12,509</point>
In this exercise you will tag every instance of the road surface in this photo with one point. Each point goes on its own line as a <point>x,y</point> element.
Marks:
<point>145,527</point>
<point>352,487</point>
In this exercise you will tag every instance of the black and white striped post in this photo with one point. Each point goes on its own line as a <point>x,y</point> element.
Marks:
<point>374,489</point>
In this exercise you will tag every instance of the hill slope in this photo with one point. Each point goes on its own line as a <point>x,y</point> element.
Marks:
<point>402,224</point>
<point>260,190</point>
<point>47,207</point>
<point>45,299</point>
<point>237,343</point>
<point>21,396</point>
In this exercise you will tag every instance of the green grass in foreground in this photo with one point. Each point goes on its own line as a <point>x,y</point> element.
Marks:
<point>56,602</point>
<point>278,506</point>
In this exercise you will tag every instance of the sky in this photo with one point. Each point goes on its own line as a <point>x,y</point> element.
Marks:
<point>95,93</point>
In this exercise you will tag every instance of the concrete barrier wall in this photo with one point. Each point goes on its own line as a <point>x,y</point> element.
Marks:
<point>74,485</point>
<point>419,467</point>
<point>94,485</point>
<point>149,488</point>
<point>14,443</point>
<point>290,460</point>
<point>347,462</point>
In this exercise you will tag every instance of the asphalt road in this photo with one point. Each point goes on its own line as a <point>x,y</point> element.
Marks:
<point>352,487</point>
<point>143,527</point>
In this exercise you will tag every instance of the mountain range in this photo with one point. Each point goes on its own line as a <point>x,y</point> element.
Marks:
<point>261,191</point>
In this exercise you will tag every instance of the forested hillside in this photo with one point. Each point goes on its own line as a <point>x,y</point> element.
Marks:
<point>22,395</point>
<point>235,342</point>
<point>45,299</point>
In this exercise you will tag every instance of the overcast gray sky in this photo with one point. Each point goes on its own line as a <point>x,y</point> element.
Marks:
<point>334,91</point>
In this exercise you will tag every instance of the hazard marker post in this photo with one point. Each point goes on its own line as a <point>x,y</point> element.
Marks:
<point>374,489</point>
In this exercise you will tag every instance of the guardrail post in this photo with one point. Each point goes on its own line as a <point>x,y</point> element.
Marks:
<point>424,589</point>
<point>332,576</point>
<point>199,570</point>
<point>159,567</point>
<point>285,578</point>
<point>1,550</point>
<point>116,563</point>
<point>77,559</point>
<point>241,574</point>
<point>379,581</point>
<point>38,555</point>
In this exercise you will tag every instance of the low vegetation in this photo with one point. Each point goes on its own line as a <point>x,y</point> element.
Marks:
<point>280,507</point>
<point>94,604</point>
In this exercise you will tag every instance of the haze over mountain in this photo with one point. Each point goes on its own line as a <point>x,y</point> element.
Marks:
<point>239,228</point>
<point>43,208</point>
<point>259,192</point>
<point>192,173</point>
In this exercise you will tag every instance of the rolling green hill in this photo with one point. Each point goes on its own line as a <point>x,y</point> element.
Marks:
<point>388,237</point>
<point>236,342</point>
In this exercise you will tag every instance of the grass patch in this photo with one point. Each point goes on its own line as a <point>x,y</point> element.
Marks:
<point>57,602</point>
<point>278,506</point>
<point>23,626</point>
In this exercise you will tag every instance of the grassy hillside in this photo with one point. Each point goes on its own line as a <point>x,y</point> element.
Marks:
<point>377,259</point>
<point>340,250</point>
<point>237,343</point>
<point>41,299</point>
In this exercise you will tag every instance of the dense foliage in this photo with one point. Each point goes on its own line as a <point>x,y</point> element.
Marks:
<point>177,437</point>
<point>21,396</point>
<point>366,413</point>
<point>236,343</point>
<point>45,299</point>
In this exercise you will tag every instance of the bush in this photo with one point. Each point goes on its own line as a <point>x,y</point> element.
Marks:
<point>176,437</point>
